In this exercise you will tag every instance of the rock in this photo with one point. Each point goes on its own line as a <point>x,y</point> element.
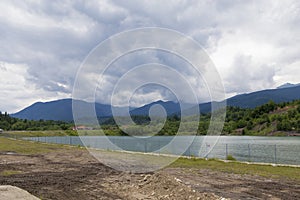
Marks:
<point>15,193</point>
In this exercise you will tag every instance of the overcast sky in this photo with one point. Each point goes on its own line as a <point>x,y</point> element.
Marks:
<point>255,45</point>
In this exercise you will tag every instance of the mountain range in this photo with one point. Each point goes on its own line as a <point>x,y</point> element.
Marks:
<point>62,109</point>
<point>288,85</point>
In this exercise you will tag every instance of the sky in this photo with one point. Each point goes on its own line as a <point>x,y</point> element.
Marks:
<point>254,45</point>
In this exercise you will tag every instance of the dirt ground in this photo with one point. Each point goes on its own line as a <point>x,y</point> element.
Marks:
<point>74,174</point>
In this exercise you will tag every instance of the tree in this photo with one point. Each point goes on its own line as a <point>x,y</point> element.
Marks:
<point>292,114</point>
<point>241,123</point>
<point>19,126</point>
<point>285,125</point>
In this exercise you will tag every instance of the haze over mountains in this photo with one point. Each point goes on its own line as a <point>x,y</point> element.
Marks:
<point>62,109</point>
<point>288,85</point>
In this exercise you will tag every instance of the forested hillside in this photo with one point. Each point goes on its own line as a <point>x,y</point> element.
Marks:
<point>268,119</point>
<point>10,123</point>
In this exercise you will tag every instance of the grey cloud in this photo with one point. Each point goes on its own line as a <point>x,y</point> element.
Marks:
<point>53,53</point>
<point>53,37</point>
<point>246,75</point>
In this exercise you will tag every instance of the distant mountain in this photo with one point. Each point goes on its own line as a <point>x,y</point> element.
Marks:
<point>54,110</point>
<point>62,109</point>
<point>255,99</point>
<point>170,107</point>
<point>288,85</point>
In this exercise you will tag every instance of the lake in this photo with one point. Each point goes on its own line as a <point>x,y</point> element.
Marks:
<point>279,150</point>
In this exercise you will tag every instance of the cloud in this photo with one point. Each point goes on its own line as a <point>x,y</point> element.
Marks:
<point>248,75</point>
<point>254,44</point>
<point>259,46</point>
<point>136,73</point>
<point>16,92</point>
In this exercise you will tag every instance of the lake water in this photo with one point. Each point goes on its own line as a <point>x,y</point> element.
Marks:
<point>280,150</point>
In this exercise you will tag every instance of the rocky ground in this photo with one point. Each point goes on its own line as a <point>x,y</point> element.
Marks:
<point>74,174</point>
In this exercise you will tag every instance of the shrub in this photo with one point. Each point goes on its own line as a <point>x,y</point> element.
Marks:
<point>230,157</point>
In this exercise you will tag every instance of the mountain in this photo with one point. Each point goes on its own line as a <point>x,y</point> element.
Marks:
<point>170,107</point>
<point>255,99</point>
<point>54,110</point>
<point>62,109</point>
<point>288,85</point>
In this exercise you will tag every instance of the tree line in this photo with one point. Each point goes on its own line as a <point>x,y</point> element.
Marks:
<point>270,118</point>
<point>9,123</point>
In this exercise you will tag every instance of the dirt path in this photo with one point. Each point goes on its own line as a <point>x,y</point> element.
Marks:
<point>74,174</point>
<point>235,186</point>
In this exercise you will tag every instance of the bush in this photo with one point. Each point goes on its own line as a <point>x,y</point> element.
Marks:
<point>230,157</point>
<point>71,133</point>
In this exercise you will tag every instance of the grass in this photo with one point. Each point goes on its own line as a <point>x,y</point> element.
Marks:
<point>230,157</point>
<point>39,133</point>
<point>9,172</point>
<point>17,134</point>
<point>292,173</point>
<point>27,147</point>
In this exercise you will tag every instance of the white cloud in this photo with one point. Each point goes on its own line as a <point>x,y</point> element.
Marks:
<point>290,72</point>
<point>17,92</point>
<point>254,44</point>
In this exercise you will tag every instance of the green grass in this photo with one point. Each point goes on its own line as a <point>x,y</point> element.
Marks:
<point>292,173</point>
<point>27,147</point>
<point>9,172</point>
<point>230,157</point>
<point>39,133</point>
<point>17,134</point>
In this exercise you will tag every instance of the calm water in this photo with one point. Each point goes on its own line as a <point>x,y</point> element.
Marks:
<point>281,150</point>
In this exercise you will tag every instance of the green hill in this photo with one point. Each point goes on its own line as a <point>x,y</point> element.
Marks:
<point>268,119</point>
<point>8,123</point>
